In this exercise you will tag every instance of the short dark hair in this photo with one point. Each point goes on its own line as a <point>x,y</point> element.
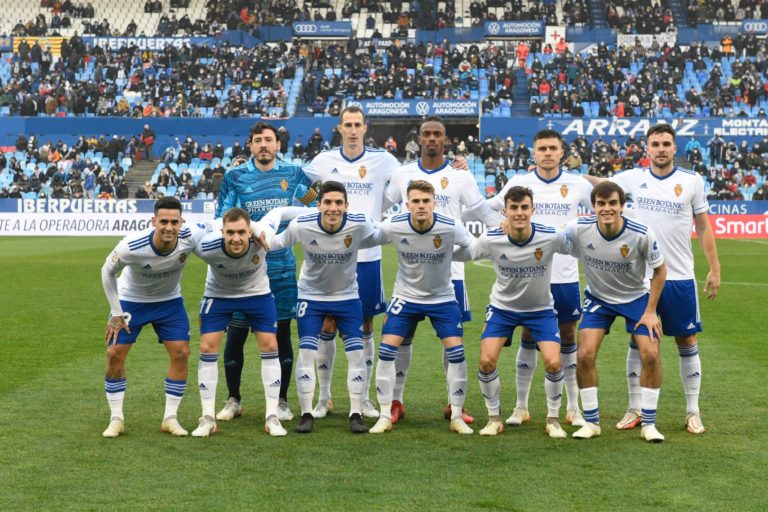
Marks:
<point>167,203</point>
<point>259,127</point>
<point>547,134</point>
<point>517,194</point>
<point>606,189</point>
<point>431,119</point>
<point>660,128</point>
<point>331,186</point>
<point>420,185</point>
<point>235,214</point>
<point>351,109</point>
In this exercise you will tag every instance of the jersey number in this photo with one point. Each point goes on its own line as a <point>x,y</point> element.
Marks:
<point>301,308</point>
<point>589,307</point>
<point>205,306</point>
<point>396,306</point>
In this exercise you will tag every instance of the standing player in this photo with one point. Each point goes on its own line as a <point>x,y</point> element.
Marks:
<point>615,252</point>
<point>669,199</point>
<point>520,297</point>
<point>558,195</point>
<point>236,283</point>
<point>148,291</point>
<point>364,172</point>
<point>259,185</point>
<point>456,195</point>
<point>328,287</point>
<point>424,242</point>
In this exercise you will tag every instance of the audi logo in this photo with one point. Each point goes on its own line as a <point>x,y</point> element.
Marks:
<point>422,108</point>
<point>756,26</point>
<point>493,28</point>
<point>305,28</point>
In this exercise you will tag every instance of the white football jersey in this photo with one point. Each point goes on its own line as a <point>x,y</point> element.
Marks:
<point>455,191</point>
<point>148,275</point>
<point>668,205</point>
<point>616,267</point>
<point>329,270</point>
<point>424,270</point>
<point>556,202</point>
<point>365,179</point>
<point>232,276</point>
<point>523,271</point>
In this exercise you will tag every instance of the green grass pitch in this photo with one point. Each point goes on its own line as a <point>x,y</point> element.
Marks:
<point>53,410</point>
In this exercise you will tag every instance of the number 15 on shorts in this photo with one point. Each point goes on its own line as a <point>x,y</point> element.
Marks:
<point>395,306</point>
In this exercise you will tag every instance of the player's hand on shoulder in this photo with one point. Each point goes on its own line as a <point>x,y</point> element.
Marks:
<point>460,163</point>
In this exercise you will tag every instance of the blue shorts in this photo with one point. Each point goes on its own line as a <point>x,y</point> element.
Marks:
<point>168,318</point>
<point>463,299</point>
<point>567,301</point>
<point>348,315</point>
<point>284,289</point>
<point>679,308</point>
<point>403,316</point>
<point>501,323</point>
<point>257,310</point>
<point>370,284</point>
<point>599,314</point>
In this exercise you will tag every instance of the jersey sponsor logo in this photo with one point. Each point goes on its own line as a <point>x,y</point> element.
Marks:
<point>624,250</point>
<point>437,241</point>
<point>538,253</point>
<point>678,189</point>
<point>348,241</point>
<point>362,171</point>
<point>444,183</point>
<point>255,259</point>
<point>564,190</point>
<point>284,184</point>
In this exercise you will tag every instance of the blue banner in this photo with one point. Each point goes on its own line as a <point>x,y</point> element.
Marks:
<point>758,27</point>
<point>514,28</point>
<point>146,43</point>
<point>419,108</point>
<point>309,29</point>
<point>738,207</point>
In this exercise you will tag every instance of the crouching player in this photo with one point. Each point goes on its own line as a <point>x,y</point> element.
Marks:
<point>615,252</point>
<point>237,282</point>
<point>328,287</point>
<point>148,292</point>
<point>424,242</point>
<point>520,297</point>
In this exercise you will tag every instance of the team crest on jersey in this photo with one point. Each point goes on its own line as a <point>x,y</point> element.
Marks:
<point>678,189</point>
<point>183,258</point>
<point>437,240</point>
<point>115,257</point>
<point>624,250</point>
<point>362,171</point>
<point>348,240</point>
<point>538,253</point>
<point>564,190</point>
<point>256,259</point>
<point>444,183</point>
<point>284,184</point>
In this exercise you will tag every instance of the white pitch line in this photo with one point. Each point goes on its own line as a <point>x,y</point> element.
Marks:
<point>735,283</point>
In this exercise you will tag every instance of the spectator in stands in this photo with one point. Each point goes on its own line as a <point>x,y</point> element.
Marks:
<point>761,194</point>
<point>148,141</point>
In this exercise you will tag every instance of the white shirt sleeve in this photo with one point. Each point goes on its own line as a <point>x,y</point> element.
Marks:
<point>700,203</point>
<point>653,254</point>
<point>114,264</point>
<point>571,233</point>
<point>392,194</point>
<point>287,238</point>
<point>562,244</point>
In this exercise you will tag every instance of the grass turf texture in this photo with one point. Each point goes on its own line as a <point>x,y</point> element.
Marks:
<point>54,410</point>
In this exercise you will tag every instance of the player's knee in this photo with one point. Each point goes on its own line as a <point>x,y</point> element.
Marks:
<point>685,341</point>
<point>567,336</point>
<point>115,358</point>
<point>552,364</point>
<point>650,355</point>
<point>586,357</point>
<point>487,363</point>
<point>179,353</point>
